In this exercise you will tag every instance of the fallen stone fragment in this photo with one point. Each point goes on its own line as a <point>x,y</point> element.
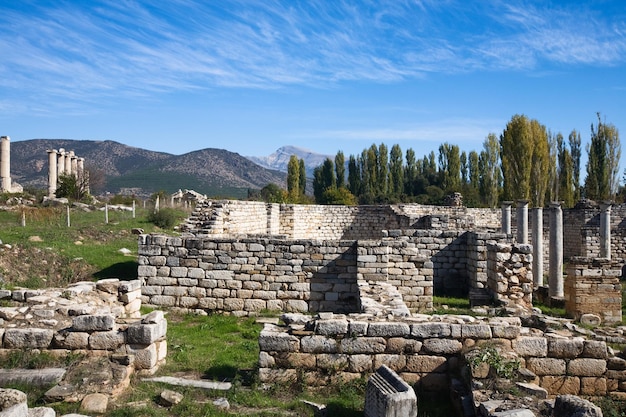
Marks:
<point>168,398</point>
<point>95,403</point>
<point>181,382</point>
<point>33,377</point>
<point>222,404</point>
<point>514,413</point>
<point>41,412</point>
<point>533,389</point>
<point>61,393</point>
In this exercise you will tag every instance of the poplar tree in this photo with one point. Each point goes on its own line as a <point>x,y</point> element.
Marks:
<point>450,167</point>
<point>575,150</point>
<point>490,176</point>
<point>340,169</point>
<point>604,151</point>
<point>525,155</point>
<point>383,170</point>
<point>293,176</point>
<point>302,177</point>
<point>410,173</point>
<point>396,172</point>
<point>354,176</point>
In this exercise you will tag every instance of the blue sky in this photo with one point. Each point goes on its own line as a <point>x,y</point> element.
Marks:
<point>250,76</point>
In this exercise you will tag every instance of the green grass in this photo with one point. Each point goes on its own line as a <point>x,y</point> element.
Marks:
<point>455,305</point>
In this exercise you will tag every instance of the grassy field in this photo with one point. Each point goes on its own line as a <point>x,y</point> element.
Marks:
<point>46,252</point>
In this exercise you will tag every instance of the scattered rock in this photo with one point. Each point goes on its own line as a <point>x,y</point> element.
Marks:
<point>571,405</point>
<point>137,231</point>
<point>168,398</point>
<point>35,239</point>
<point>125,251</point>
<point>590,320</point>
<point>95,403</point>
<point>222,404</point>
<point>32,377</point>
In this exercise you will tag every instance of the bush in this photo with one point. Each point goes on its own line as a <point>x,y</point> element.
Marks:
<point>165,218</point>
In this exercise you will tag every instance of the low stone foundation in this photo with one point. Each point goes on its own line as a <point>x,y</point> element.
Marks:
<point>426,351</point>
<point>100,318</point>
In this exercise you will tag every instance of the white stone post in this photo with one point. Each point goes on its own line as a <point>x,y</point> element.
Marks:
<point>522,221</point>
<point>52,172</point>
<point>5,164</point>
<point>60,163</point>
<point>506,217</point>
<point>133,208</point>
<point>68,162</point>
<point>556,251</point>
<point>605,230</point>
<point>106,213</point>
<point>73,164</point>
<point>537,246</point>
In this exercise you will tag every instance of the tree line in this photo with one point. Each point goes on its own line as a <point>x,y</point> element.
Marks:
<point>526,161</point>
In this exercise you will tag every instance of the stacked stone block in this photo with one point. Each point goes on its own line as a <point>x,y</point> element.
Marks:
<point>426,351</point>
<point>90,318</point>
<point>593,286</point>
<point>510,279</point>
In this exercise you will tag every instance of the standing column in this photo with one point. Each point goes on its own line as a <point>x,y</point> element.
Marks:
<point>605,230</point>
<point>74,164</point>
<point>52,172</point>
<point>5,164</point>
<point>61,163</point>
<point>522,221</point>
<point>80,169</point>
<point>556,250</point>
<point>537,246</point>
<point>506,217</point>
<point>68,162</point>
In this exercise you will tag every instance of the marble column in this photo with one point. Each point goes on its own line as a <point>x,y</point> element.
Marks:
<point>61,163</point>
<point>68,162</point>
<point>556,251</point>
<point>522,221</point>
<point>5,164</point>
<point>52,172</point>
<point>506,217</point>
<point>537,241</point>
<point>80,169</point>
<point>74,164</point>
<point>605,230</point>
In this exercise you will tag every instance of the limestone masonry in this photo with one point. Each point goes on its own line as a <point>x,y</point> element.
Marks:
<point>369,272</point>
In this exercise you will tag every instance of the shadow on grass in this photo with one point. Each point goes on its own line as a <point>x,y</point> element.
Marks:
<point>340,410</point>
<point>221,373</point>
<point>125,271</point>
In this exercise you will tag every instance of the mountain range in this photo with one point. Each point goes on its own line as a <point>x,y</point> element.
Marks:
<point>126,169</point>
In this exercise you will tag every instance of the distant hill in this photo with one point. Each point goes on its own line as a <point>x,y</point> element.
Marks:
<point>279,159</point>
<point>215,172</point>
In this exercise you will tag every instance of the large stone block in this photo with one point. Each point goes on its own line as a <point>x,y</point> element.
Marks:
<point>106,340</point>
<point>426,364</point>
<point>318,344</point>
<point>369,345</point>
<point>71,340</point>
<point>546,366</point>
<point>442,346</point>
<point>273,340</point>
<point>565,348</point>
<point>387,395</point>
<point>27,338</point>
<point>146,357</point>
<point>531,346</point>
<point>146,333</point>
<point>331,327</point>
<point>556,385</point>
<point>93,323</point>
<point>388,329</point>
<point>586,367</point>
<point>430,330</point>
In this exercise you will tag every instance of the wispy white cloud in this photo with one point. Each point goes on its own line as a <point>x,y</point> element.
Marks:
<point>107,50</point>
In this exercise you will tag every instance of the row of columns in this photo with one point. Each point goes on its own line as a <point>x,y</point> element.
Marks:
<point>61,163</point>
<point>5,164</point>
<point>555,267</point>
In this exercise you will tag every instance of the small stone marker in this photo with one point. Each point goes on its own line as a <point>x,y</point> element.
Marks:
<point>95,403</point>
<point>169,398</point>
<point>387,395</point>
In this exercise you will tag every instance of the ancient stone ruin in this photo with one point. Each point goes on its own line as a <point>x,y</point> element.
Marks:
<point>356,282</point>
<point>62,162</point>
<point>6,185</point>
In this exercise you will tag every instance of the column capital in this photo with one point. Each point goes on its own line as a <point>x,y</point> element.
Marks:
<point>555,204</point>
<point>53,151</point>
<point>522,202</point>
<point>507,204</point>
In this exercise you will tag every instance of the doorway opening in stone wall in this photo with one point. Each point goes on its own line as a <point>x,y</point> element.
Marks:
<point>450,278</point>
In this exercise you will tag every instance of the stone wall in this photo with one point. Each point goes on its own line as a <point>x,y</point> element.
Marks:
<point>100,318</point>
<point>427,350</point>
<point>327,222</point>
<point>510,279</point>
<point>245,276</point>
<point>593,286</point>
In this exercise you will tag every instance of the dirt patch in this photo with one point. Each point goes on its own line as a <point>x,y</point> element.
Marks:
<point>33,267</point>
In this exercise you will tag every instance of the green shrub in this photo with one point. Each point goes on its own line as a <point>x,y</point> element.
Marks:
<point>166,218</point>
